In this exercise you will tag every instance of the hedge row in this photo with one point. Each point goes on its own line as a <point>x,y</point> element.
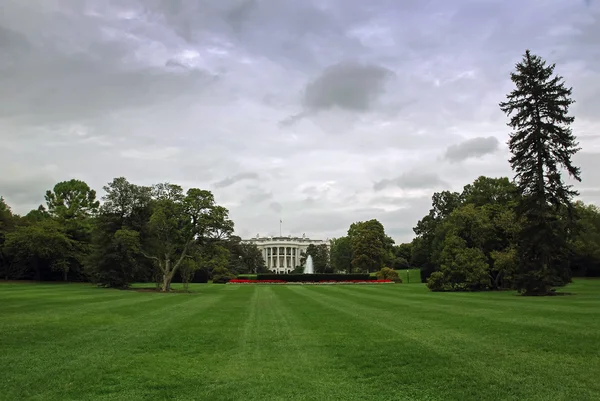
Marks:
<point>200,276</point>
<point>314,277</point>
<point>247,276</point>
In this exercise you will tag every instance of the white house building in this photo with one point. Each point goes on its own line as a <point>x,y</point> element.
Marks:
<point>282,254</point>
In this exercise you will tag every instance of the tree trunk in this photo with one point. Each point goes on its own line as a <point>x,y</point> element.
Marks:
<point>166,282</point>
<point>65,274</point>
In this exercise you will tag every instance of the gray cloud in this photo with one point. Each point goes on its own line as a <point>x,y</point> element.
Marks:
<point>472,148</point>
<point>256,196</point>
<point>348,86</point>
<point>412,180</point>
<point>235,179</point>
<point>276,207</point>
<point>191,92</point>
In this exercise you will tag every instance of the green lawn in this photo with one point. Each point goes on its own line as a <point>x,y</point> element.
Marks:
<point>227,342</point>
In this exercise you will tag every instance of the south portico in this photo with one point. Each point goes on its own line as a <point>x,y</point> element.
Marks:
<point>283,254</point>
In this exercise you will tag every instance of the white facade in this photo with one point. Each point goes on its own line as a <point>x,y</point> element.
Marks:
<point>282,254</point>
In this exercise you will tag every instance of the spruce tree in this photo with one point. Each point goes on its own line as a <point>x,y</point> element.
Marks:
<point>542,144</point>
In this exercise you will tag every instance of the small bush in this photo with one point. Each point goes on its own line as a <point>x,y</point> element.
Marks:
<point>222,275</point>
<point>436,282</point>
<point>389,274</point>
<point>222,279</point>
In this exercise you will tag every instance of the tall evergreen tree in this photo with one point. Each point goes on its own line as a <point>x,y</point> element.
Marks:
<point>542,145</point>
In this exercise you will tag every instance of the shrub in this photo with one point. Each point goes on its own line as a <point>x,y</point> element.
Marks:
<point>221,275</point>
<point>220,279</point>
<point>436,282</point>
<point>389,274</point>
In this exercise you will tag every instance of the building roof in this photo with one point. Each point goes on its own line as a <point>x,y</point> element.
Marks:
<point>289,238</point>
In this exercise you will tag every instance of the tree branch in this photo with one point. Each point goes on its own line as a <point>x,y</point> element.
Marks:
<point>183,255</point>
<point>150,257</point>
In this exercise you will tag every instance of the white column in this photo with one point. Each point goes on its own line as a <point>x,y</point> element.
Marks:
<point>272,257</point>
<point>296,256</point>
<point>265,258</point>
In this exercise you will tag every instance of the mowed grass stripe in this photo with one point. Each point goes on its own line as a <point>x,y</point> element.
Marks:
<point>277,359</point>
<point>473,300</point>
<point>350,348</point>
<point>108,345</point>
<point>460,339</point>
<point>390,363</point>
<point>298,342</point>
<point>564,322</point>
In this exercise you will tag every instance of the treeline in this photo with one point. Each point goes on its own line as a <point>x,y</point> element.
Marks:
<point>469,241</point>
<point>367,248</point>
<point>153,233</point>
<point>528,234</point>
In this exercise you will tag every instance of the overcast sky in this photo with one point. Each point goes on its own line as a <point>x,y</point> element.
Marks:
<point>318,112</point>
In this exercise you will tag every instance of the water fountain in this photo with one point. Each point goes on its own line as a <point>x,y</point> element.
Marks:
<point>308,266</point>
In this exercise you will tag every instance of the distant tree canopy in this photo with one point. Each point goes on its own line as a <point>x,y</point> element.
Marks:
<point>138,233</point>
<point>528,234</point>
<point>320,257</point>
<point>367,248</point>
<point>473,245</point>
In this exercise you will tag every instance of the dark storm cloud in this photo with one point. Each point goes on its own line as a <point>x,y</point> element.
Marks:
<point>472,148</point>
<point>412,180</point>
<point>348,85</point>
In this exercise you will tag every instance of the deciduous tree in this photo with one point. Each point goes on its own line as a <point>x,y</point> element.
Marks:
<point>40,247</point>
<point>341,254</point>
<point>370,245</point>
<point>179,222</point>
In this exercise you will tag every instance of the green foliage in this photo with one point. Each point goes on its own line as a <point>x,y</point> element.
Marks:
<point>39,247</point>
<point>179,223</point>
<point>116,263</point>
<point>480,223</point>
<point>341,254</point>
<point>222,275</point>
<point>585,243</point>
<point>187,270</point>
<point>7,224</point>
<point>542,145</point>
<point>462,268</point>
<point>252,258</point>
<point>120,230</point>
<point>320,257</point>
<point>426,246</point>
<point>403,251</point>
<point>399,263</point>
<point>370,245</point>
<point>72,199</point>
<point>389,274</point>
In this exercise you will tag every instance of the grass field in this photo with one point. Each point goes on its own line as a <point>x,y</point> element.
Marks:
<point>228,342</point>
